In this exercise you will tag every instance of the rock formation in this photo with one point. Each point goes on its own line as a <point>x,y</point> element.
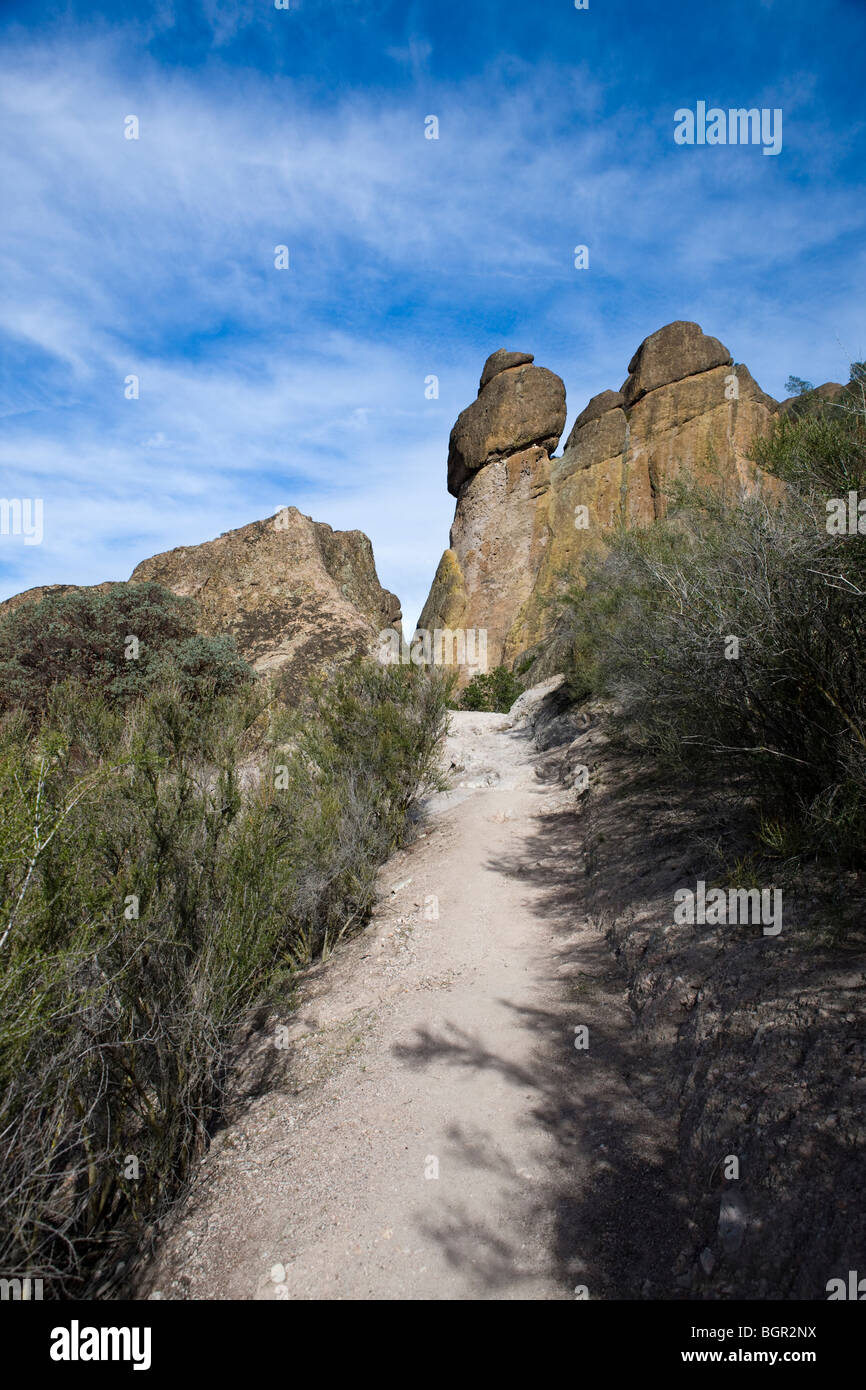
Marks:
<point>295,594</point>
<point>525,518</point>
<point>518,406</point>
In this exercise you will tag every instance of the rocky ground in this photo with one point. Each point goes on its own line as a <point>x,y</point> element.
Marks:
<point>424,1121</point>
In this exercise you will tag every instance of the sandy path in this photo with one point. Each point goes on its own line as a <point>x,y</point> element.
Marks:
<point>431,1131</point>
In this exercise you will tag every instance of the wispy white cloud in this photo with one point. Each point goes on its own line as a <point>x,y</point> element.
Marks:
<point>408,257</point>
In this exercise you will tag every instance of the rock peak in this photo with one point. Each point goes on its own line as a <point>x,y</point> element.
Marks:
<point>298,596</point>
<point>518,406</point>
<point>501,361</point>
<point>679,350</point>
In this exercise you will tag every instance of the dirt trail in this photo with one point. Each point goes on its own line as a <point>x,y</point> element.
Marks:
<point>430,1131</point>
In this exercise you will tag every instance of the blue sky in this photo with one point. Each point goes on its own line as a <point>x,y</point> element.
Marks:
<point>408,257</point>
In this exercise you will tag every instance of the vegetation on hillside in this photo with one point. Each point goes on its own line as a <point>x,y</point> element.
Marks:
<point>732,635</point>
<point>122,641</point>
<point>172,848</point>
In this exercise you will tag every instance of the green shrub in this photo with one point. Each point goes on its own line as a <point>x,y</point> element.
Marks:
<point>121,640</point>
<point>162,864</point>
<point>732,636</point>
<point>821,450</point>
<point>493,691</point>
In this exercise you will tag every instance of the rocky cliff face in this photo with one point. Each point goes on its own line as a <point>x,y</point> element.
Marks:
<point>525,518</point>
<point>296,595</point>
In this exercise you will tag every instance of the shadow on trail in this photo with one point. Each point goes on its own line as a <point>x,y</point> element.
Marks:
<point>611,1207</point>
<point>722,1046</point>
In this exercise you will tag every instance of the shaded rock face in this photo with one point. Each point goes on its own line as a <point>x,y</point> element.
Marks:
<point>599,405</point>
<point>525,520</point>
<point>296,595</point>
